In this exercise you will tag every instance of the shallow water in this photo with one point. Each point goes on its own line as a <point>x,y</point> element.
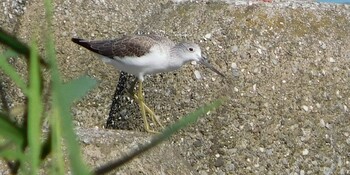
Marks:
<point>335,1</point>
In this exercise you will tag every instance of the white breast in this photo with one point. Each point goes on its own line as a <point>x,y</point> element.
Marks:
<point>157,61</point>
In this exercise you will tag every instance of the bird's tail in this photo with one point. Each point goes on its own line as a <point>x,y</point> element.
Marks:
<point>84,43</point>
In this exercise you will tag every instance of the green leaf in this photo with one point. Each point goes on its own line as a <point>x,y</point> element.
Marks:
<point>77,88</point>
<point>69,92</point>
<point>9,53</point>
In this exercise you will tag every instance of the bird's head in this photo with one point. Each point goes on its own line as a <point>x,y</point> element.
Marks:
<point>192,52</point>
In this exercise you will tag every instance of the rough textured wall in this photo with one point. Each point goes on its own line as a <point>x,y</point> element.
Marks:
<point>288,77</point>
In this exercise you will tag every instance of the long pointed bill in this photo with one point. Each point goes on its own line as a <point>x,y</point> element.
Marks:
<point>211,67</point>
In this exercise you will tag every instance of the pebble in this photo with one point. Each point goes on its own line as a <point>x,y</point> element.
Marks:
<point>318,105</point>
<point>220,172</point>
<point>197,74</point>
<point>234,48</point>
<point>345,108</point>
<point>254,87</point>
<point>305,108</point>
<point>219,162</point>
<point>348,141</point>
<point>322,123</point>
<point>274,61</point>
<point>259,51</point>
<point>331,59</point>
<point>323,45</point>
<point>327,171</point>
<point>230,167</point>
<point>305,152</point>
<point>269,152</point>
<point>197,143</point>
<point>256,70</point>
<point>86,141</point>
<point>202,172</point>
<point>207,36</point>
<point>234,66</point>
<point>235,70</point>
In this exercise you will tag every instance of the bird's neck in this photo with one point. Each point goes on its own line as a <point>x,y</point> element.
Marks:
<point>175,58</point>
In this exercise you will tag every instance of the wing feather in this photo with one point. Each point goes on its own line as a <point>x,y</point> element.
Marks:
<point>137,45</point>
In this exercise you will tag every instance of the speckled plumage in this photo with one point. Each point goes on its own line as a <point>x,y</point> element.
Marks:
<point>131,46</point>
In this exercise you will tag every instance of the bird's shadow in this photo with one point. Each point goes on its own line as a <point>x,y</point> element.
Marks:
<point>122,106</point>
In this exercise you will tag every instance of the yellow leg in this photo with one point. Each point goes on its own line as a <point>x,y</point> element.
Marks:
<point>153,116</point>
<point>143,108</point>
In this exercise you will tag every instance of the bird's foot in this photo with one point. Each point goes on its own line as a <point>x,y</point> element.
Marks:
<point>151,115</point>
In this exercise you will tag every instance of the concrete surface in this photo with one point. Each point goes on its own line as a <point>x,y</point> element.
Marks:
<point>288,76</point>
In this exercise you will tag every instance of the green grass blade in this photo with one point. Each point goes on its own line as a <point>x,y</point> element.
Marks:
<point>13,43</point>
<point>62,122</point>
<point>188,120</point>
<point>9,153</point>
<point>9,130</point>
<point>14,137</point>
<point>35,109</point>
<point>12,73</point>
<point>56,135</point>
<point>168,132</point>
<point>16,45</point>
<point>57,113</point>
<point>57,109</point>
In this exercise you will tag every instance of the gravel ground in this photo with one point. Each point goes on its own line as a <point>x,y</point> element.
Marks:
<point>11,9</point>
<point>288,75</point>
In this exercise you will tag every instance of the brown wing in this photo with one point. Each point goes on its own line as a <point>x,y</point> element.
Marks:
<point>137,45</point>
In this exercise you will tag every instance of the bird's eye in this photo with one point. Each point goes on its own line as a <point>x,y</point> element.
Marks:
<point>190,49</point>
